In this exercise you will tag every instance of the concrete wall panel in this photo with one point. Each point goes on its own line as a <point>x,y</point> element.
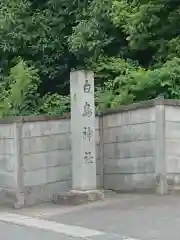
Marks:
<point>46,159</point>
<point>7,146</point>
<point>172,113</point>
<point>173,164</point>
<point>7,162</point>
<point>46,143</point>
<point>173,130</point>
<point>130,149</point>
<point>42,193</point>
<point>130,165</point>
<point>130,133</point>
<point>57,174</point>
<point>6,131</point>
<point>47,175</point>
<point>35,129</point>
<point>172,150</point>
<point>97,123</point>
<point>130,182</point>
<point>98,166</point>
<point>129,117</point>
<point>173,147</point>
<point>7,179</point>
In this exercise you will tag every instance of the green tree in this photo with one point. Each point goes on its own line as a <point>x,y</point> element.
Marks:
<point>151,27</point>
<point>19,91</point>
<point>133,46</point>
<point>38,32</point>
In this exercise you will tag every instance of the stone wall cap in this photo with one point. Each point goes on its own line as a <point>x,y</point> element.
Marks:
<point>143,104</point>
<point>66,116</point>
<point>38,118</point>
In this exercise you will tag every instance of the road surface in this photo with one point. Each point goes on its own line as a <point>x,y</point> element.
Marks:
<point>141,217</point>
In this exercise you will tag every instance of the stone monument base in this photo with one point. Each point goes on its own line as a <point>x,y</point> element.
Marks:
<point>76,197</point>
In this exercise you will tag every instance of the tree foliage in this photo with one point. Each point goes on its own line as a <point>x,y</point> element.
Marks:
<point>133,46</point>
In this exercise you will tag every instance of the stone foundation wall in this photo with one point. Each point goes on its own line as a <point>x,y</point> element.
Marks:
<point>47,158</point>
<point>137,149</point>
<point>172,147</point>
<point>130,150</point>
<point>35,158</point>
<point>46,153</point>
<point>7,157</point>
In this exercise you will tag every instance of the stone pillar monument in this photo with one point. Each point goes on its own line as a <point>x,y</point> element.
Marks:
<point>83,141</point>
<point>83,131</point>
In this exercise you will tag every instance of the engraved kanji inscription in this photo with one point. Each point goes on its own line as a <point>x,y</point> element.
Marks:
<point>87,87</point>
<point>87,110</point>
<point>88,158</point>
<point>87,133</point>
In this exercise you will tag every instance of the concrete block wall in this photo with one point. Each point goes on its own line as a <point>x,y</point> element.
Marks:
<point>98,155</point>
<point>141,147</point>
<point>130,149</point>
<point>137,149</point>
<point>46,154</point>
<point>172,146</point>
<point>35,158</point>
<point>7,157</point>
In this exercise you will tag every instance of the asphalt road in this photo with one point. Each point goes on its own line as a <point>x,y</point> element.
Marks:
<point>144,217</point>
<point>10,231</point>
<point>141,217</point>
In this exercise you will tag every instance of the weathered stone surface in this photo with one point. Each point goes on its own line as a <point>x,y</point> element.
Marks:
<point>130,133</point>
<point>172,113</point>
<point>77,197</point>
<point>98,166</point>
<point>7,162</point>
<point>37,129</point>
<point>130,117</point>
<point>61,173</point>
<point>46,159</point>
<point>83,130</point>
<point>7,146</point>
<point>97,123</point>
<point>6,131</point>
<point>129,165</point>
<point>97,137</point>
<point>172,147</point>
<point>98,181</point>
<point>172,164</point>
<point>173,181</point>
<point>135,149</point>
<point>7,179</point>
<point>172,130</point>
<point>130,182</point>
<point>172,144</point>
<point>130,151</point>
<point>11,198</point>
<point>41,193</point>
<point>46,143</point>
<point>97,151</point>
<point>47,175</point>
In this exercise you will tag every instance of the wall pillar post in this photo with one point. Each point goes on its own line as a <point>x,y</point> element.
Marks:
<point>160,166</point>
<point>18,167</point>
